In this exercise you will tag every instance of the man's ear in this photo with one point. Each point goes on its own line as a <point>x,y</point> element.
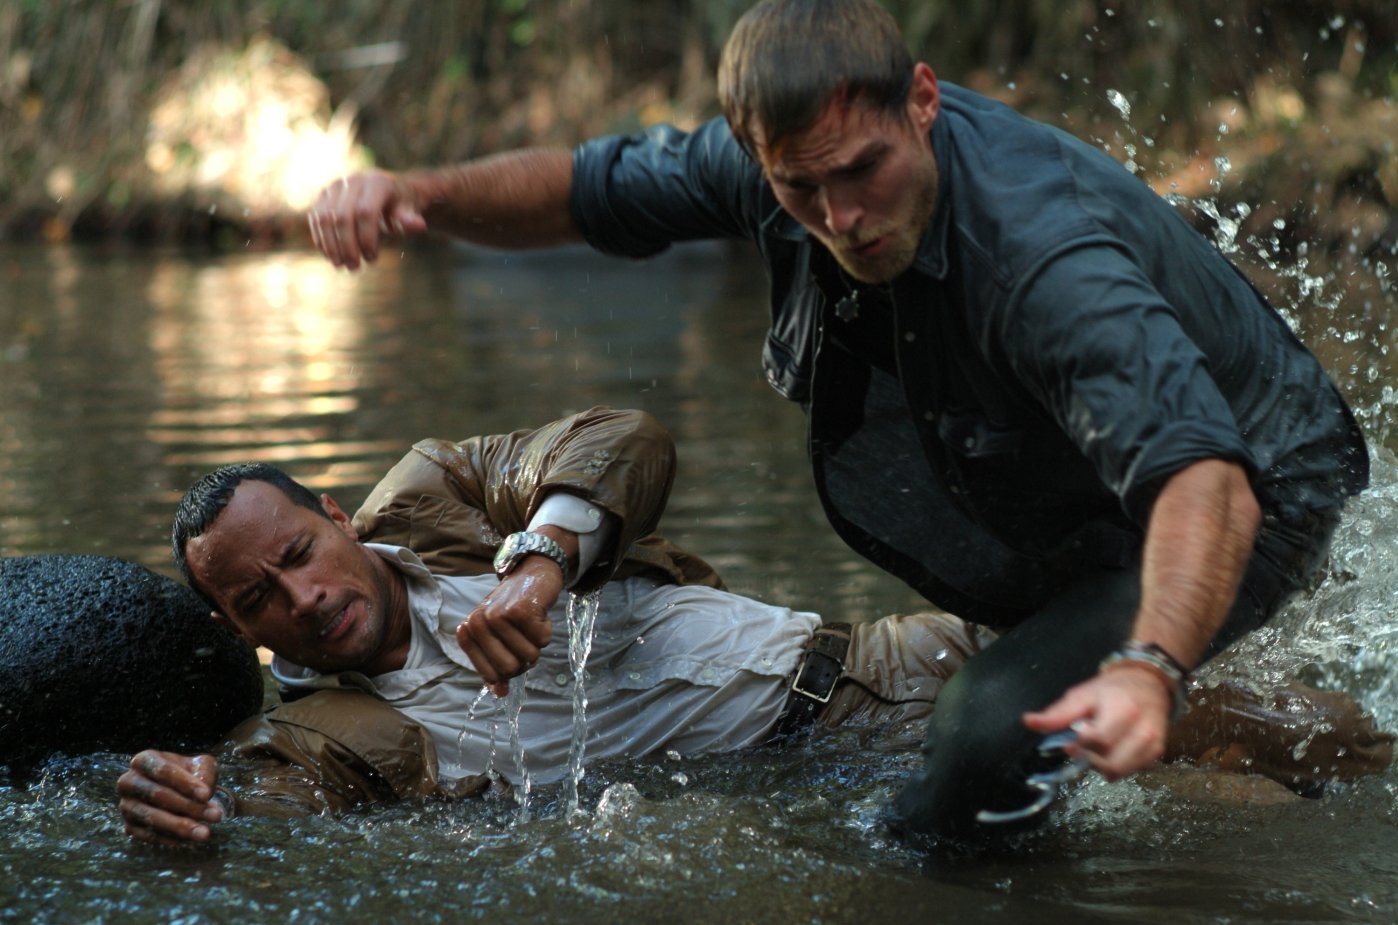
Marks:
<point>924,97</point>
<point>227,624</point>
<point>342,520</point>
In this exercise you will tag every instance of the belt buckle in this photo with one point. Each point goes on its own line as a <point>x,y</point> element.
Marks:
<point>796,687</point>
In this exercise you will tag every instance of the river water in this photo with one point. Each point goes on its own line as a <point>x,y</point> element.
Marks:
<point>126,374</point>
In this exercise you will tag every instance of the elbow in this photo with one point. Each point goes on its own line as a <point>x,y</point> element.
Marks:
<point>1245,509</point>
<point>1238,504</point>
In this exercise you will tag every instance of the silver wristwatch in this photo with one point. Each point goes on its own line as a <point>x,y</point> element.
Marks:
<point>519,545</point>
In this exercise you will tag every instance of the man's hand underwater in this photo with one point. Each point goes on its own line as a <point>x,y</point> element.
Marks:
<point>167,799</point>
<point>1121,717</point>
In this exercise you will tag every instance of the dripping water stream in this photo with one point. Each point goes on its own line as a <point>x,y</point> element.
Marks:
<point>582,620</point>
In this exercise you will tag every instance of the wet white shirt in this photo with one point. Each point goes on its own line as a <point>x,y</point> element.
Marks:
<point>672,667</point>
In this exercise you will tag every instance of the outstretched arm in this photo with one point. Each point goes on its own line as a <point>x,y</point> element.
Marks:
<point>1200,536</point>
<point>168,799</point>
<point>513,200</point>
<point>326,752</point>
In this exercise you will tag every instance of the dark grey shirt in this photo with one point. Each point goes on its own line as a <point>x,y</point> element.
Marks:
<point>1009,407</point>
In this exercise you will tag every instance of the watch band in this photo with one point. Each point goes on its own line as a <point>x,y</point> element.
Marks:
<point>519,545</point>
<point>1148,653</point>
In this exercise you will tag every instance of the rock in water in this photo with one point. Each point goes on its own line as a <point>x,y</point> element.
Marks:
<point>98,653</point>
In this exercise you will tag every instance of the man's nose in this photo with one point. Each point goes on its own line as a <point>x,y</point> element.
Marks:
<point>842,210</point>
<point>304,594</point>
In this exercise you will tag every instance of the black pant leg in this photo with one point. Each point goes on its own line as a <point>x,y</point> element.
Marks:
<point>978,751</point>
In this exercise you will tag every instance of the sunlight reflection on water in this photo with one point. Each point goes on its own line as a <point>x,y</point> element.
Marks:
<point>123,377</point>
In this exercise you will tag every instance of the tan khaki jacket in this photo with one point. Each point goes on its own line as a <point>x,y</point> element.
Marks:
<point>452,503</point>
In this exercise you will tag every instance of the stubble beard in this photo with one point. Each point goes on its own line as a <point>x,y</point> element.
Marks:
<point>907,236</point>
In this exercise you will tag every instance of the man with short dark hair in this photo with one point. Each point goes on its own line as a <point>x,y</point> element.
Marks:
<point>449,579</point>
<point>1035,393</point>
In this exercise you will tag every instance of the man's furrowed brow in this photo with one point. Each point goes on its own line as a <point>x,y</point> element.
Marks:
<point>861,159</point>
<point>873,150</point>
<point>289,549</point>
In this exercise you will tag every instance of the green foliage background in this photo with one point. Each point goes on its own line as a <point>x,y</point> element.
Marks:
<point>78,77</point>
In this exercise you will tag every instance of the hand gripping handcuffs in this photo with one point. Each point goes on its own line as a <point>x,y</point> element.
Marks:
<point>1046,784</point>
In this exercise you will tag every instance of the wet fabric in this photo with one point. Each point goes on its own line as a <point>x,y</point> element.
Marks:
<point>340,747</point>
<point>1061,327</point>
<point>454,501</point>
<point>680,667</point>
<point>328,752</point>
<point>895,668</point>
<point>336,749</point>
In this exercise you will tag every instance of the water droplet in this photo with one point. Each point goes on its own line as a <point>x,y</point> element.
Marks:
<point>1117,99</point>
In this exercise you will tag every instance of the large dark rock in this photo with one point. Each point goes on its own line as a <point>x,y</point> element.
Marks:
<point>101,654</point>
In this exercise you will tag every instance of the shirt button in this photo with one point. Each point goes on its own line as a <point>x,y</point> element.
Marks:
<point>928,416</point>
<point>970,442</point>
<point>561,678</point>
<point>634,676</point>
<point>910,337</point>
<point>706,673</point>
<point>767,660</point>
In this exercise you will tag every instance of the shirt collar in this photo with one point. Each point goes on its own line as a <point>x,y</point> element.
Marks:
<point>931,257</point>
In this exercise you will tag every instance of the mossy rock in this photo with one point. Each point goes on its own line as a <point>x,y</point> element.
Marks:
<point>100,654</point>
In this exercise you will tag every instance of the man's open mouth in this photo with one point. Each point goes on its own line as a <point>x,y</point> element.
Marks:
<point>335,623</point>
<point>868,247</point>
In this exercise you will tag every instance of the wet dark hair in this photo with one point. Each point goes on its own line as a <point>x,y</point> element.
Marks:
<point>207,498</point>
<point>786,60</point>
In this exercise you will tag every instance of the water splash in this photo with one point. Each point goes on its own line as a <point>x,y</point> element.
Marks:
<point>465,733</point>
<point>1341,636</point>
<point>514,707</point>
<point>582,618</point>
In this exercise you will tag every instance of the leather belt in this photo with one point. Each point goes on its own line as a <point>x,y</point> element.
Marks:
<point>821,666</point>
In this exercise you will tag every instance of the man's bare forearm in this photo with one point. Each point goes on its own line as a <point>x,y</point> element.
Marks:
<point>1200,537</point>
<point>513,200</point>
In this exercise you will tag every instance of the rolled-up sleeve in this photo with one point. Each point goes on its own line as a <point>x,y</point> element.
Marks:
<point>1106,354</point>
<point>635,195</point>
